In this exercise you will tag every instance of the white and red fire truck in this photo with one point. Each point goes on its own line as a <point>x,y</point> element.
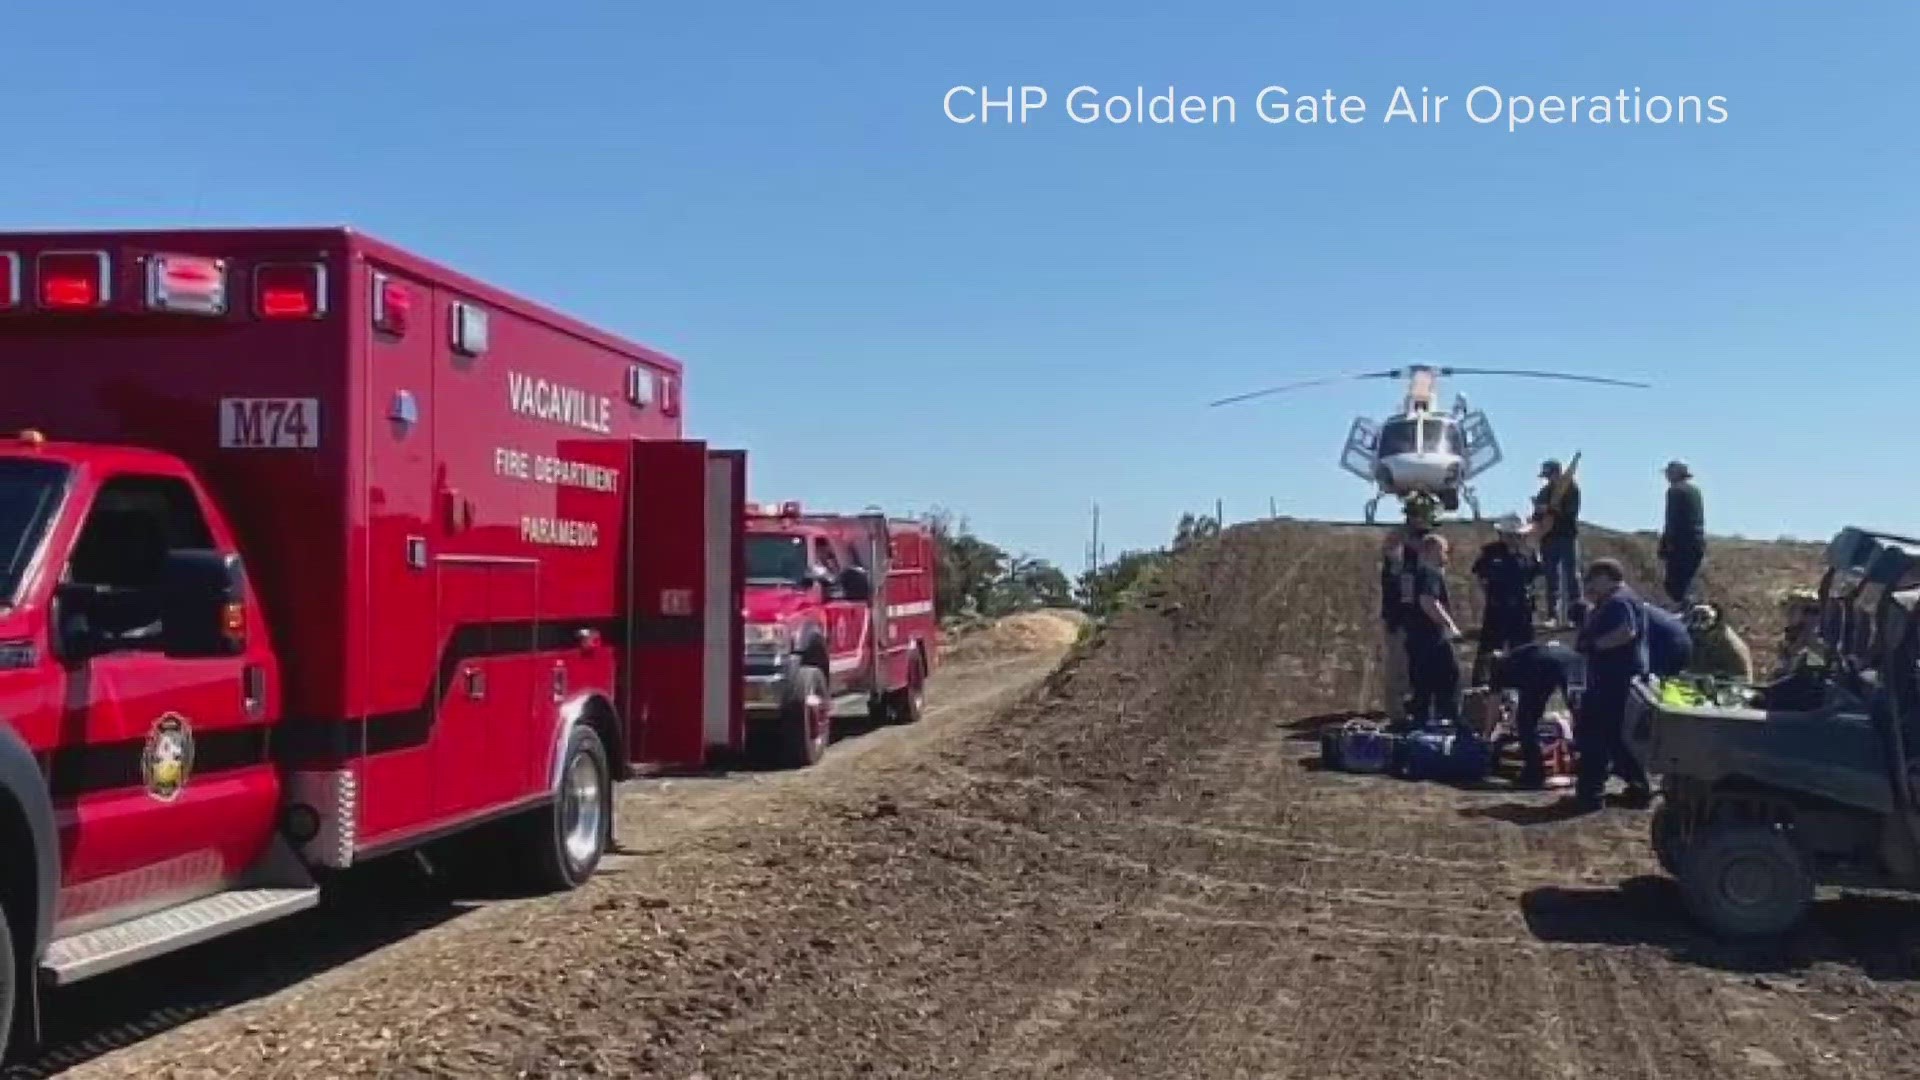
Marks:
<point>839,614</point>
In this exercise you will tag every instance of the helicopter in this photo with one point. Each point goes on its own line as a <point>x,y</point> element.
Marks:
<point>1420,451</point>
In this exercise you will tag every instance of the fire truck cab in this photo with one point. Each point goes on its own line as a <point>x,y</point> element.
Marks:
<point>313,551</point>
<point>839,614</point>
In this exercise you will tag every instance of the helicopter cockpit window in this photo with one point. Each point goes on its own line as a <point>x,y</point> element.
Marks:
<point>1439,437</point>
<point>1398,437</point>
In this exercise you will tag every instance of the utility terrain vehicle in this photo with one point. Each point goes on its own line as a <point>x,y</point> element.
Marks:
<point>1806,781</point>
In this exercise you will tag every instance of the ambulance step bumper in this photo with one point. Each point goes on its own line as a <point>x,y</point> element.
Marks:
<point>97,952</point>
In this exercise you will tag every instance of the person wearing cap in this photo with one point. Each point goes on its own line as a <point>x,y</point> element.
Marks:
<point>1557,516</point>
<point>1683,540</point>
<point>1614,641</point>
<point>1505,570</point>
<point>1717,650</point>
<point>1432,669</point>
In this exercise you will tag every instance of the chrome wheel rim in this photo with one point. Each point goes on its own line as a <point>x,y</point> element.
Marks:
<point>583,810</point>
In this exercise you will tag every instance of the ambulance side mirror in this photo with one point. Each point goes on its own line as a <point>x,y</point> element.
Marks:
<point>201,598</point>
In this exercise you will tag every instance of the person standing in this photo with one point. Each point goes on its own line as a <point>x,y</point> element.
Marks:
<point>1393,620</point>
<point>1432,668</point>
<point>1557,516</point>
<point>1614,642</point>
<point>1536,670</point>
<point>1683,540</point>
<point>1505,570</point>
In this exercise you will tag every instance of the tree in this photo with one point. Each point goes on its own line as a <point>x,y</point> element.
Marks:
<point>1192,529</point>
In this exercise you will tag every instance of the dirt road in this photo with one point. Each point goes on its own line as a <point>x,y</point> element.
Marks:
<point>1135,872</point>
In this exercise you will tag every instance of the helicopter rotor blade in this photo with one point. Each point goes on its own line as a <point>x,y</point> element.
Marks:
<point>1532,374</point>
<point>1393,373</point>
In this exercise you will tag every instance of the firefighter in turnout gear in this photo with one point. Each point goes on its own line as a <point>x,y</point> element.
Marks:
<point>1505,570</point>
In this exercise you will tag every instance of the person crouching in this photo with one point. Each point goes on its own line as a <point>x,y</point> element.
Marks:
<point>1537,670</point>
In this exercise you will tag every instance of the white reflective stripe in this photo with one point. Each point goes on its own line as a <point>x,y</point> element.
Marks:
<point>902,611</point>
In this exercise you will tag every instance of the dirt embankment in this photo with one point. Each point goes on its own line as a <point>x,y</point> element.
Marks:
<point>1132,871</point>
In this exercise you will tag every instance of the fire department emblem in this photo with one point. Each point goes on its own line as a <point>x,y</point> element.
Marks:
<point>168,757</point>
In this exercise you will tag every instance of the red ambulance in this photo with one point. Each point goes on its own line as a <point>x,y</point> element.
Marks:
<point>317,551</point>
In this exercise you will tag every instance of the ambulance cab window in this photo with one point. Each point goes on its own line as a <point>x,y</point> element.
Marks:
<point>30,493</point>
<point>135,522</point>
<point>776,559</point>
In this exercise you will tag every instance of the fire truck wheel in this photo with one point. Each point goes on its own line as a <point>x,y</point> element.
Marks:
<point>806,720</point>
<point>571,835</point>
<point>905,705</point>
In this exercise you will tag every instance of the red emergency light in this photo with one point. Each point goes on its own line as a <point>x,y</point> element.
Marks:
<point>74,280</point>
<point>392,303</point>
<point>188,284</point>
<point>9,280</point>
<point>290,290</point>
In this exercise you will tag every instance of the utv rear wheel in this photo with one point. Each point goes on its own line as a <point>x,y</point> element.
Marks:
<point>1664,832</point>
<point>806,719</point>
<point>568,838</point>
<point>1746,882</point>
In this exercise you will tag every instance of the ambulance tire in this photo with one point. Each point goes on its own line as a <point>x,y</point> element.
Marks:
<point>567,838</point>
<point>9,987</point>
<point>805,728</point>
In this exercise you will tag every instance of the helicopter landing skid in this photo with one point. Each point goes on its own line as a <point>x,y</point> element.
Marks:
<point>1372,505</point>
<point>1472,499</point>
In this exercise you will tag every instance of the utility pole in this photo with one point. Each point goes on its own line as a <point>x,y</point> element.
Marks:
<point>1273,507</point>
<point>1093,546</point>
<point>1220,513</point>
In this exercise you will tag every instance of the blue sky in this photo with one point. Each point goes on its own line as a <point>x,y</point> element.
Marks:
<point>1017,322</point>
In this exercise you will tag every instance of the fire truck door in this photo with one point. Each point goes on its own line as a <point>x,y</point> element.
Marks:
<point>879,562</point>
<point>664,679</point>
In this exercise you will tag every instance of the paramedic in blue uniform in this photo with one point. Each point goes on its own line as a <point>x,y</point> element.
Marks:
<point>1614,642</point>
<point>1537,670</point>
<point>1432,669</point>
<point>1669,642</point>
<point>1505,570</point>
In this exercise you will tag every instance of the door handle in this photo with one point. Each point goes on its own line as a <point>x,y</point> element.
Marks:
<point>476,683</point>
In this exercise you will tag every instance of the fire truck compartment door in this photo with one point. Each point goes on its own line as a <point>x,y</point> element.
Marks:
<point>666,585</point>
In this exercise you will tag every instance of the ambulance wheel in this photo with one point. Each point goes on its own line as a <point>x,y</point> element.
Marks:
<point>1746,882</point>
<point>907,704</point>
<point>569,837</point>
<point>9,987</point>
<point>806,719</point>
